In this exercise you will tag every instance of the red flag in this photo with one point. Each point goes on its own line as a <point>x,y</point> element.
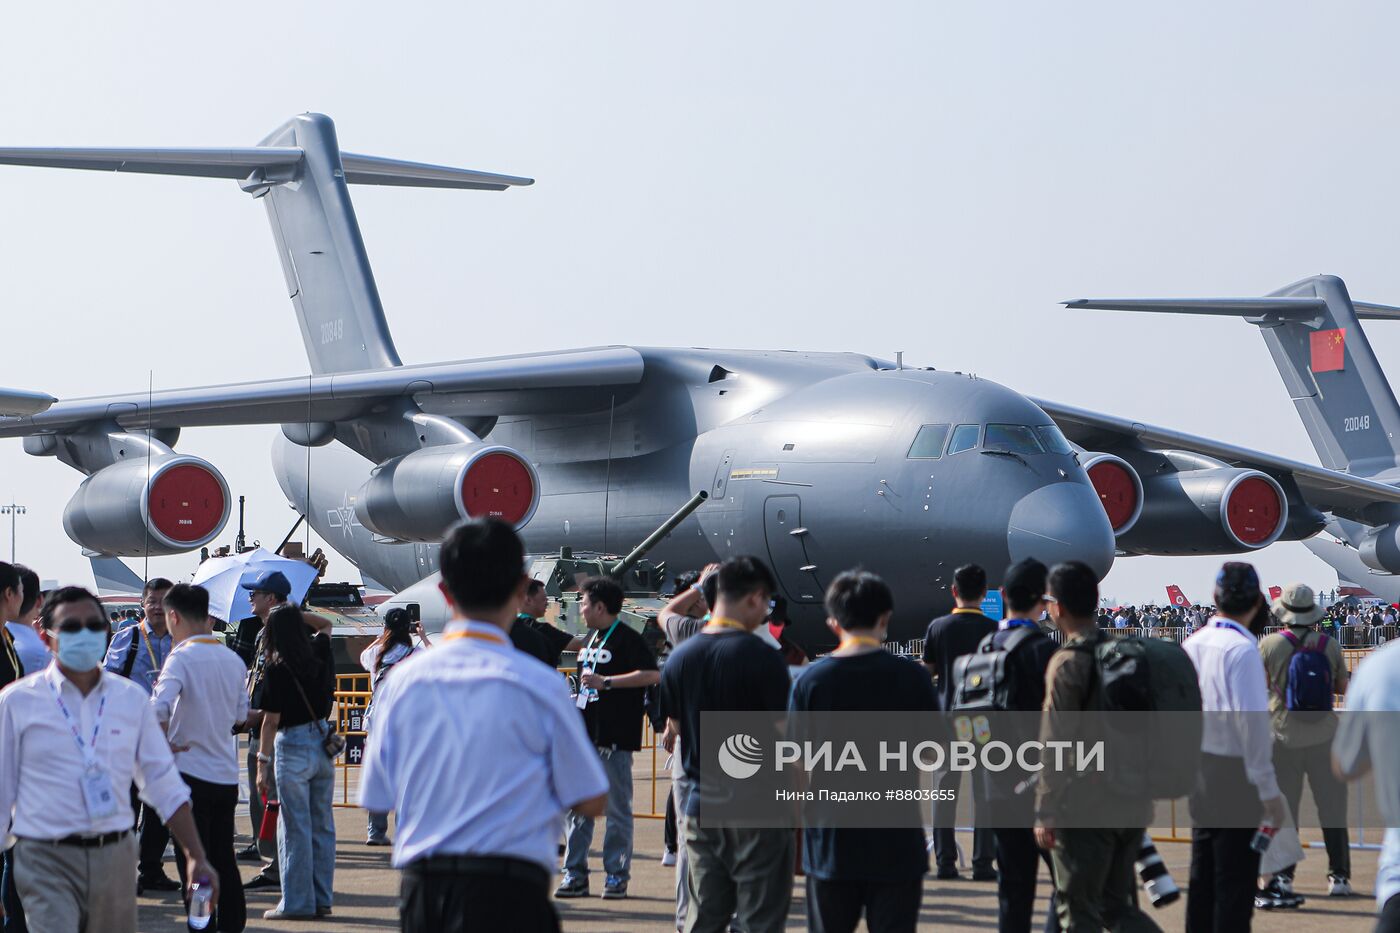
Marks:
<point>1328,350</point>
<point>1276,591</point>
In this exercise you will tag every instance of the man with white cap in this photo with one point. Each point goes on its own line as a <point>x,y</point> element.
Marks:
<point>1305,669</point>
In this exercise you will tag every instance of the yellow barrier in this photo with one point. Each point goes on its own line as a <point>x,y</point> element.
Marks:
<point>352,696</point>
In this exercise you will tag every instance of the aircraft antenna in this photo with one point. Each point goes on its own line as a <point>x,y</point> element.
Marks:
<point>607,475</point>
<point>150,406</point>
<point>307,510</point>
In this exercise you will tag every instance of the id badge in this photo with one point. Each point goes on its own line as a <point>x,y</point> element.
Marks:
<point>583,698</point>
<point>98,795</point>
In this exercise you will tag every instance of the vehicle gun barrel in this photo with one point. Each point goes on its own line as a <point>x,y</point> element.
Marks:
<point>622,566</point>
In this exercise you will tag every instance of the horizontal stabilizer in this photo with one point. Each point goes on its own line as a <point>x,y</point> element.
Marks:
<point>1279,307</point>
<point>373,170</point>
<point>202,163</point>
<point>19,402</point>
<point>238,164</point>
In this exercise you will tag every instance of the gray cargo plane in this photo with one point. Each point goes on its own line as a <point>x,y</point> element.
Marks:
<point>1313,331</point>
<point>815,461</point>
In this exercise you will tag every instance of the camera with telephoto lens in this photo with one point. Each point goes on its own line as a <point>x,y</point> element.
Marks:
<point>1155,877</point>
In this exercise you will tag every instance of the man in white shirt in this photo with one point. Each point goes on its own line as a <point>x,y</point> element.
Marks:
<point>1237,791</point>
<point>199,700</point>
<point>75,738</point>
<point>480,751</point>
<point>29,645</point>
<point>1368,738</point>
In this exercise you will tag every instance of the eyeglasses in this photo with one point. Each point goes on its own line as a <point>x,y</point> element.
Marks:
<point>94,624</point>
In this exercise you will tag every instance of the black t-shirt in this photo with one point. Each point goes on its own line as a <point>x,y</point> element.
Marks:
<point>949,638</point>
<point>878,682</point>
<point>726,671</point>
<point>615,718</point>
<point>555,638</point>
<point>279,694</point>
<point>526,639</point>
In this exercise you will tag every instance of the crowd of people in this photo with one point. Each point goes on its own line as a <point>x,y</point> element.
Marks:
<point>117,739</point>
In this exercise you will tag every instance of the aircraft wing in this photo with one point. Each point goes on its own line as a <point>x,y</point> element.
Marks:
<point>534,383</point>
<point>1363,500</point>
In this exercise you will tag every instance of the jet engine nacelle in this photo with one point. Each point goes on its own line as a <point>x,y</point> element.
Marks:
<point>418,496</point>
<point>1118,486</point>
<point>1221,510</point>
<point>1380,549</point>
<point>124,511</point>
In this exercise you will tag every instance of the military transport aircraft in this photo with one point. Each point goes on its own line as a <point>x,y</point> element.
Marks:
<point>816,461</point>
<point>1313,331</point>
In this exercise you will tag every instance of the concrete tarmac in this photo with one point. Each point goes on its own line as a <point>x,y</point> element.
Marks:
<point>366,889</point>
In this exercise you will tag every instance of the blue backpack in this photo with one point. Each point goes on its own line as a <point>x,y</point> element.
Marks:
<point>1309,676</point>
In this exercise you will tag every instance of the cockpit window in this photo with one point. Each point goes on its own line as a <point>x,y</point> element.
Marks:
<point>964,438</point>
<point>1053,440</point>
<point>928,444</point>
<point>1013,438</point>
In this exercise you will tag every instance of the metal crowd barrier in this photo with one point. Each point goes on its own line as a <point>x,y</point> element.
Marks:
<point>352,695</point>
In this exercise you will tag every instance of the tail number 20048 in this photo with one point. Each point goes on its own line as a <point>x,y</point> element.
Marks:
<point>335,330</point>
<point>1356,423</point>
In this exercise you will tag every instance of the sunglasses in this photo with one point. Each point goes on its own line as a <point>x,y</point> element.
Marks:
<point>94,624</point>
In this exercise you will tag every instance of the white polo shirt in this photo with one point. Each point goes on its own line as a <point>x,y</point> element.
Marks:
<point>1232,678</point>
<point>479,750</point>
<point>201,695</point>
<point>41,767</point>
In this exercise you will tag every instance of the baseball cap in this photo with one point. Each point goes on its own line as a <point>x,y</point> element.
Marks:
<point>1237,579</point>
<point>267,581</point>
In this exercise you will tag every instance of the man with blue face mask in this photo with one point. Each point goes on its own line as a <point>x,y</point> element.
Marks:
<point>86,734</point>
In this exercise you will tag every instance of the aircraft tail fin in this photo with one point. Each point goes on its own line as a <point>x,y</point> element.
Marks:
<point>301,175</point>
<point>1177,598</point>
<point>1313,330</point>
<point>114,578</point>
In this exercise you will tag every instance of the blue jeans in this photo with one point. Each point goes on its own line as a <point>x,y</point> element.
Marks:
<point>617,836</point>
<point>305,824</point>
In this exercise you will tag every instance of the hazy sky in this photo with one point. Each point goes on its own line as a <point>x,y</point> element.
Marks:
<point>925,177</point>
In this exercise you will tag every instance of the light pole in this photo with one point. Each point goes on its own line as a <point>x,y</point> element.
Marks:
<point>14,511</point>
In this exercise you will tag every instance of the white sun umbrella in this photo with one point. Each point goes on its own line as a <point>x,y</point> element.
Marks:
<point>221,576</point>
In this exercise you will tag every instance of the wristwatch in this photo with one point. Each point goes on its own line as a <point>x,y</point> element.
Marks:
<point>607,683</point>
<point>265,759</point>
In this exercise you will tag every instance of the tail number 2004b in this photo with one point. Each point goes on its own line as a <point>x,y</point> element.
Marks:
<point>1356,423</point>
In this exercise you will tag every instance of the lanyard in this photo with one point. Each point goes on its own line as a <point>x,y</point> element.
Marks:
<point>89,750</point>
<point>10,652</point>
<point>145,640</point>
<point>198,640</point>
<point>479,636</point>
<point>1021,623</point>
<point>859,641</point>
<point>720,622</point>
<point>589,647</point>
<point>1226,623</point>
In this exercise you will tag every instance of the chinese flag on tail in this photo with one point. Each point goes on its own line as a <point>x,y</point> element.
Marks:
<point>1328,350</point>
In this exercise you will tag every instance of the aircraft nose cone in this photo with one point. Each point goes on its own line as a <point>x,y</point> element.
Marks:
<point>1060,522</point>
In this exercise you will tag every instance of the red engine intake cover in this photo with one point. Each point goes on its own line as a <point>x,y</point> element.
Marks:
<point>1116,490</point>
<point>186,503</point>
<point>1253,510</point>
<point>498,484</point>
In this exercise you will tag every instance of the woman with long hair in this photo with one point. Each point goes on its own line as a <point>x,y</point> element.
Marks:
<point>393,645</point>
<point>298,692</point>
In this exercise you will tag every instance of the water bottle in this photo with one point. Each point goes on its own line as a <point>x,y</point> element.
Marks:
<point>201,903</point>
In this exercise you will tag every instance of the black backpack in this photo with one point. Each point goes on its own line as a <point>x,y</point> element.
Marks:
<point>1159,749</point>
<point>982,682</point>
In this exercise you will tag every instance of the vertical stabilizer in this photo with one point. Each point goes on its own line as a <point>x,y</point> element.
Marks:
<point>1313,331</point>
<point>323,255</point>
<point>1335,381</point>
<point>302,177</point>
